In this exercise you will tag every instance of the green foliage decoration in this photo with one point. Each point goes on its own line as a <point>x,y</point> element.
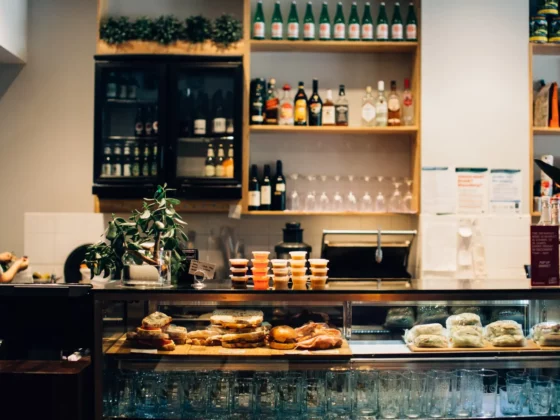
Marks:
<point>116,30</point>
<point>143,29</point>
<point>227,31</point>
<point>167,30</point>
<point>197,29</point>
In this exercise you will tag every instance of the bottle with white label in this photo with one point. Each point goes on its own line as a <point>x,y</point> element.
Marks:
<point>254,189</point>
<point>220,170</point>
<point>382,25</point>
<point>219,119</point>
<point>407,105</point>
<point>117,161</point>
<point>107,167</point>
<point>329,117</point>
<point>258,22</point>
<point>266,189</point>
<point>325,23</point>
<point>339,24</point>
<point>368,109</point>
<point>146,161</point>
<point>367,24</point>
<point>293,23</point>
<point>210,164</point>
<point>394,106</point>
<point>354,24</point>
<point>200,116</point>
<point>286,116</point>
<point>277,27</point>
<point>411,24</point>
<point>127,162</point>
<point>397,24</point>
<point>381,108</point>
<point>309,23</point>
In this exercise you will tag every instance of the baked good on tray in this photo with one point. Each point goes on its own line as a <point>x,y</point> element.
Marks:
<point>431,341</point>
<point>547,334</point>
<point>505,334</point>
<point>465,336</point>
<point>426,329</point>
<point>462,320</point>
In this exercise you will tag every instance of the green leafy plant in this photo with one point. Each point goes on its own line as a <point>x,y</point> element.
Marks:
<point>197,29</point>
<point>143,29</point>
<point>116,30</point>
<point>167,30</point>
<point>157,226</point>
<point>227,31</point>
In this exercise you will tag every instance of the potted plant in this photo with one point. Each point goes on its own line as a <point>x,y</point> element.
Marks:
<point>144,247</point>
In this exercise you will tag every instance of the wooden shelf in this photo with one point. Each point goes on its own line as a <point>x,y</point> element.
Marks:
<point>179,48</point>
<point>536,214</point>
<point>546,131</point>
<point>332,129</point>
<point>323,213</point>
<point>333,46</point>
<point>546,49</point>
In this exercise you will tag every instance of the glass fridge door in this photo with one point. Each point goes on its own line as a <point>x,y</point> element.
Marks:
<point>128,133</point>
<point>207,124</point>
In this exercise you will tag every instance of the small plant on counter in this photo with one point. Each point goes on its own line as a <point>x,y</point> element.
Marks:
<point>116,30</point>
<point>156,227</point>
<point>143,29</point>
<point>227,31</point>
<point>167,30</point>
<point>197,29</point>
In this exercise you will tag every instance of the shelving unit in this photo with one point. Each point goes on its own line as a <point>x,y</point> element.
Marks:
<point>546,131</point>
<point>332,129</point>
<point>333,46</point>
<point>324,213</point>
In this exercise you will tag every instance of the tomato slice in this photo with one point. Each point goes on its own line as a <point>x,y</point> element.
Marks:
<point>150,328</point>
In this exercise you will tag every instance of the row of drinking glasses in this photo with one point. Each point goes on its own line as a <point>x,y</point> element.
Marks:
<point>349,193</point>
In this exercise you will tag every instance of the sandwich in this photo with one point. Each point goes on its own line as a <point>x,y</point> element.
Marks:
<point>203,338</point>
<point>156,320</point>
<point>282,338</point>
<point>236,319</point>
<point>155,333</point>
<point>317,336</point>
<point>176,333</point>
<point>243,340</point>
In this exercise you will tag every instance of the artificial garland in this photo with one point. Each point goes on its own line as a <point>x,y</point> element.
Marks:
<point>227,31</point>
<point>116,30</point>
<point>167,30</point>
<point>197,29</point>
<point>143,29</point>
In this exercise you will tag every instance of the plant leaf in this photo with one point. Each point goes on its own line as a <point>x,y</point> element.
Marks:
<point>146,215</point>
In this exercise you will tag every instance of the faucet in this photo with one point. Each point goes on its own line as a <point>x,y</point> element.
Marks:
<point>378,251</point>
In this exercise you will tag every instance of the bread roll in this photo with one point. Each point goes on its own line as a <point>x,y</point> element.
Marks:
<point>427,329</point>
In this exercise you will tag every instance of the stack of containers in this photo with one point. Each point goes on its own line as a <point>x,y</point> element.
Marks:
<point>238,267</point>
<point>281,274</point>
<point>299,270</point>
<point>260,270</point>
<point>319,272</point>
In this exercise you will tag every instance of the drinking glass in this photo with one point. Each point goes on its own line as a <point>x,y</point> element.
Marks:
<point>540,395</point>
<point>380,202</point>
<point>464,392</point>
<point>555,395</point>
<point>125,394</point>
<point>366,202</point>
<point>365,392</point>
<point>324,201</point>
<point>338,200</point>
<point>351,200</point>
<point>486,393</point>
<point>171,399</point>
<point>439,385</point>
<point>242,401</point>
<point>390,394</point>
<point>510,401</point>
<point>315,398</point>
<point>310,199</point>
<point>414,390</point>
<point>339,391</point>
<point>407,200</point>
<point>195,393</point>
<point>396,201</point>
<point>164,267</point>
<point>518,382</point>
<point>294,196</point>
<point>265,393</point>
<point>220,391</point>
<point>290,393</point>
<point>147,395</point>
<point>109,393</point>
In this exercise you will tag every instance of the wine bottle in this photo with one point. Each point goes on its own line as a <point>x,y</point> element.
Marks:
<point>397,24</point>
<point>382,26</point>
<point>293,23</point>
<point>279,196</point>
<point>300,106</point>
<point>315,106</point>
<point>411,24</point>
<point>309,23</point>
<point>266,189</point>
<point>254,189</point>
<point>339,24</point>
<point>325,23</point>
<point>367,24</point>
<point>277,23</point>
<point>354,24</point>
<point>259,25</point>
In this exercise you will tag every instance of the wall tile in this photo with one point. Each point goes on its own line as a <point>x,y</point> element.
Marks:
<point>65,243</point>
<point>39,223</point>
<point>39,247</point>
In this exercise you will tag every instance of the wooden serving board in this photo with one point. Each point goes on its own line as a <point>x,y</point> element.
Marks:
<point>531,346</point>
<point>124,346</point>
<point>548,348</point>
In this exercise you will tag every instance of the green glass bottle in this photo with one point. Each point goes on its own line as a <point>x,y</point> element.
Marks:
<point>258,22</point>
<point>339,24</point>
<point>277,23</point>
<point>325,23</point>
<point>382,25</point>
<point>309,23</point>
<point>396,24</point>
<point>293,23</point>
<point>411,24</point>
<point>354,24</point>
<point>367,24</point>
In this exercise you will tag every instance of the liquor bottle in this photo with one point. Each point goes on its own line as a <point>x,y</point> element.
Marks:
<point>155,124</point>
<point>219,118</point>
<point>411,24</point>
<point>309,23</point>
<point>210,164</point>
<point>286,107</point>
<point>339,24</point>
<point>132,88</point>
<point>154,165</point>
<point>293,23</point>
<point>279,196</point>
<point>200,115</point>
<point>367,24</point>
<point>300,106</point>
<point>396,24</point>
<point>139,124</point>
<point>266,190</point>
<point>259,25</point>
<point>354,24</point>
<point>136,164</point>
<point>186,106</point>
<point>254,189</point>
<point>329,117</point>
<point>230,128</point>
<point>341,108</point>
<point>271,105</point>
<point>107,166</point>
<point>407,105</point>
<point>146,161</point>
<point>123,86</point>
<point>382,26</point>
<point>257,101</point>
<point>325,23</point>
<point>148,123</point>
<point>117,161</point>
<point>381,109</point>
<point>394,106</point>
<point>277,23</point>
<point>315,105</point>
<point>111,90</point>
<point>127,162</point>
<point>228,163</point>
<point>220,171</point>
<point>368,109</point>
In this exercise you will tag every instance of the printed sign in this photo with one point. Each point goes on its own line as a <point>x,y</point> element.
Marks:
<point>544,256</point>
<point>199,267</point>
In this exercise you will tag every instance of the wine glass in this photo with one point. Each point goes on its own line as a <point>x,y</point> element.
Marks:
<point>366,202</point>
<point>294,196</point>
<point>380,203</point>
<point>338,200</point>
<point>351,200</point>
<point>324,200</point>
<point>310,199</point>
<point>396,200</point>
<point>407,200</point>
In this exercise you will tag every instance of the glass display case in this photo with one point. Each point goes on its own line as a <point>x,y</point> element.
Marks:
<point>174,120</point>
<point>356,354</point>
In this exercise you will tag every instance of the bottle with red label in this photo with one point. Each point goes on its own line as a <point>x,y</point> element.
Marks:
<point>367,24</point>
<point>411,24</point>
<point>339,24</point>
<point>293,23</point>
<point>382,26</point>
<point>354,24</point>
<point>408,105</point>
<point>397,24</point>
<point>286,116</point>
<point>259,25</point>
<point>277,27</point>
<point>271,104</point>
<point>325,24</point>
<point>309,23</point>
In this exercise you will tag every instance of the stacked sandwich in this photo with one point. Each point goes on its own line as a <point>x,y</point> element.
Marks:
<point>157,332</point>
<point>465,330</point>
<point>311,336</point>
<point>427,336</point>
<point>505,334</point>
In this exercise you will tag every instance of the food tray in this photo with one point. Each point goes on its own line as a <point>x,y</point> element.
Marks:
<point>124,346</point>
<point>531,346</point>
<point>548,348</point>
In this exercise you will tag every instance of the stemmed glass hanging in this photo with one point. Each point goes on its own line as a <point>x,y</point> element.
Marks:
<point>396,201</point>
<point>338,200</point>
<point>407,200</point>
<point>324,200</point>
<point>380,203</point>
<point>351,200</point>
<point>310,199</point>
<point>366,202</point>
<point>294,196</point>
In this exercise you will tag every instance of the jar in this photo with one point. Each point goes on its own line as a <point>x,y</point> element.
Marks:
<point>538,29</point>
<point>554,32</point>
<point>548,7</point>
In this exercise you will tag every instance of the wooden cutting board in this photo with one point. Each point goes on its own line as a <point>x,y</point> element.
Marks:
<point>531,346</point>
<point>123,346</point>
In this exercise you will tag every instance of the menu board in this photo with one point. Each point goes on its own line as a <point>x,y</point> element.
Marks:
<point>544,256</point>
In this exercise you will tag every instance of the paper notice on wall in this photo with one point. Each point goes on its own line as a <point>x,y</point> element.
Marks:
<point>439,243</point>
<point>472,190</point>
<point>439,190</point>
<point>505,191</point>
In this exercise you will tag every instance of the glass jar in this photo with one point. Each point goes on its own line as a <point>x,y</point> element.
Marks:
<point>538,29</point>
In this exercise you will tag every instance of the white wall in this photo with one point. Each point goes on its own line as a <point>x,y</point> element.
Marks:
<point>13,31</point>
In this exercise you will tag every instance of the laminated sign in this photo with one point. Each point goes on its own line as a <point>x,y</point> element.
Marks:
<point>544,256</point>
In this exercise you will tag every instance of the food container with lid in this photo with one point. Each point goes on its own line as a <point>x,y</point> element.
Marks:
<point>281,271</point>
<point>319,271</point>
<point>318,262</point>
<point>261,271</point>
<point>302,271</point>
<point>279,263</point>
<point>260,263</point>
<point>299,284</point>
<point>260,283</point>
<point>297,263</point>
<point>281,283</point>
<point>318,283</point>
<point>239,279</point>
<point>300,278</point>
<point>261,255</point>
<point>239,262</point>
<point>239,271</point>
<point>298,255</point>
